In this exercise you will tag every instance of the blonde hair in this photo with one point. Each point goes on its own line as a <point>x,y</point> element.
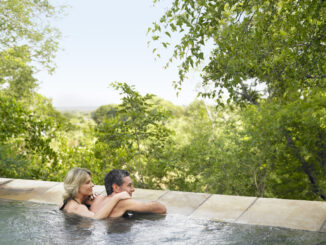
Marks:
<point>73,180</point>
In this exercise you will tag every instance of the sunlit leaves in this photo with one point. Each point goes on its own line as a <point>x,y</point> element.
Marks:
<point>134,137</point>
<point>28,134</point>
<point>285,40</point>
<point>28,41</point>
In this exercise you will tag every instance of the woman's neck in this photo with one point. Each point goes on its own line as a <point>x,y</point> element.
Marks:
<point>80,198</point>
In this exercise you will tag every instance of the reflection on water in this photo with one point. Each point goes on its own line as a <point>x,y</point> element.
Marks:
<point>33,223</point>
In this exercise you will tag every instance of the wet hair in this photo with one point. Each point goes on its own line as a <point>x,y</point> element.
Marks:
<point>73,180</point>
<point>115,176</point>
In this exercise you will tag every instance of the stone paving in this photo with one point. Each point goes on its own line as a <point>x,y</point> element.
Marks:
<point>294,214</point>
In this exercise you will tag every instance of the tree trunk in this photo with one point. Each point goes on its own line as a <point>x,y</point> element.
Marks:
<point>307,168</point>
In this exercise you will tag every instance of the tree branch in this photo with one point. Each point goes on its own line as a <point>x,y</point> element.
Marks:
<point>315,77</point>
<point>305,166</point>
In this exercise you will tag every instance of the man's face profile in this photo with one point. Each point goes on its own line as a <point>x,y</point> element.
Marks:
<point>127,185</point>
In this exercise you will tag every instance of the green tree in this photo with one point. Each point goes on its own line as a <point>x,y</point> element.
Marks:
<point>290,141</point>
<point>27,42</point>
<point>103,112</point>
<point>279,45</point>
<point>135,138</point>
<point>262,52</point>
<point>28,137</point>
<point>194,143</point>
<point>74,146</point>
<point>207,152</point>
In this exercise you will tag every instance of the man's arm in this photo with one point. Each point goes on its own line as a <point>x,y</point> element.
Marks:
<point>137,206</point>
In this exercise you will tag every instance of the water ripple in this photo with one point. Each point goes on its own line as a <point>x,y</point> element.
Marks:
<point>35,223</point>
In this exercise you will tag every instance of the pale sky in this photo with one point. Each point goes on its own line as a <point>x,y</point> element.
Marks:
<point>105,41</point>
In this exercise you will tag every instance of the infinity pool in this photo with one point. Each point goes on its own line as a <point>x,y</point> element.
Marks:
<point>34,223</point>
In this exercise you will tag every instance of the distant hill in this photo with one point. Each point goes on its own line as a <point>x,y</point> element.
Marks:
<point>76,108</point>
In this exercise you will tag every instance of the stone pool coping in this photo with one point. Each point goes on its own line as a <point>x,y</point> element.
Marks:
<point>293,214</point>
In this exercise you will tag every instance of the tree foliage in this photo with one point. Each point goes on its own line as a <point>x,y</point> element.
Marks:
<point>259,48</point>
<point>285,147</point>
<point>27,42</point>
<point>270,54</point>
<point>28,137</point>
<point>134,137</point>
<point>103,112</point>
<point>27,120</point>
<point>268,141</point>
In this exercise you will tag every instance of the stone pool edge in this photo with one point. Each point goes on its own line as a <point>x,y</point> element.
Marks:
<point>285,213</point>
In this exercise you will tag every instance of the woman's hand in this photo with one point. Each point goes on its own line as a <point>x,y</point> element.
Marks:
<point>122,195</point>
<point>93,196</point>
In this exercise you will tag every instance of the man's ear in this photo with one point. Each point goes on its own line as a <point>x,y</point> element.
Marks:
<point>116,188</point>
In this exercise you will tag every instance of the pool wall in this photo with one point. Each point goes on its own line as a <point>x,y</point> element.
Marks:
<point>294,214</point>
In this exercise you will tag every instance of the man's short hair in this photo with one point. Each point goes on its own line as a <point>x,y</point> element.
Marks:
<point>115,176</point>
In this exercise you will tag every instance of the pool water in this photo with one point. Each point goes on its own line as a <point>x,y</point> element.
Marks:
<point>34,223</point>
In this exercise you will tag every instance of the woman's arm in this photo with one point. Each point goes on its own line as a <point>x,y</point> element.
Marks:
<point>105,209</point>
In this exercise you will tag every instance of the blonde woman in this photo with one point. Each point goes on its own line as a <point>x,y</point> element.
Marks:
<point>79,194</point>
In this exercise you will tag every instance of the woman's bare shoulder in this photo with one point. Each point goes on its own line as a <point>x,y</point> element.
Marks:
<point>72,206</point>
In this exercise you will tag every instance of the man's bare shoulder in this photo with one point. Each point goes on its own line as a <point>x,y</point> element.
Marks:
<point>127,202</point>
<point>98,202</point>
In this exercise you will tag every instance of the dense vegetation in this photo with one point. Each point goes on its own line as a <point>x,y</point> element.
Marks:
<point>265,137</point>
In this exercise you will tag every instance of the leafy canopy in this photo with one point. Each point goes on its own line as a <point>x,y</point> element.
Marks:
<point>134,137</point>
<point>27,42</point>
<point>268,48</point>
